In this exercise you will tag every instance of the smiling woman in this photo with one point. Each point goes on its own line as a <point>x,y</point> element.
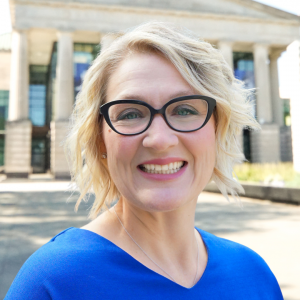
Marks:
<point>122,69</point>
<point>156,120</point>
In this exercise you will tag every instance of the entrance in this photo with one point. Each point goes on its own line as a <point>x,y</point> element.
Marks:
<point>37,115</point>
<point>244,70</point>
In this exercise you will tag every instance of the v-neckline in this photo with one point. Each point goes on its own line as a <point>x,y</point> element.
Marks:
<point>143,266</point>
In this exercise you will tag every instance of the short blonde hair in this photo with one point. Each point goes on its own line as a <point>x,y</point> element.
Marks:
<point>200,64</point>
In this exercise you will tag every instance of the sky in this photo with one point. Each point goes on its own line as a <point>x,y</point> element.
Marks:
<point>291,6</point>
<point>5,23</point>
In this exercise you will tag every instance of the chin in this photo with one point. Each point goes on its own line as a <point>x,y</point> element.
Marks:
<point>161,202</point>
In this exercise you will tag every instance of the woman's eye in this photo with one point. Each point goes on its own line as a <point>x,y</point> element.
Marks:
<point>129,115</point>
<point>184,111</point>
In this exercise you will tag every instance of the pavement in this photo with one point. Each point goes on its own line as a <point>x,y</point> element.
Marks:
<point>33,211</point>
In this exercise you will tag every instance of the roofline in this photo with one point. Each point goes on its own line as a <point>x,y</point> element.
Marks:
<point>268,9</point>
<point>285,18</point>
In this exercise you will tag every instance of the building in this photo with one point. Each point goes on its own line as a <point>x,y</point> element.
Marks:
<point>43,61</point>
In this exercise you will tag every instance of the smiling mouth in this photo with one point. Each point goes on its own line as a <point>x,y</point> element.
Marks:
<point>163,169</point>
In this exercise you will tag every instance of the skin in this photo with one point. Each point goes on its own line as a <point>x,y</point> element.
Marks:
<point>158,214</point>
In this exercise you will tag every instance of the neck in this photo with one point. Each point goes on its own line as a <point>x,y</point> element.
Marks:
<point>167,229</point>
<point>168,239</point>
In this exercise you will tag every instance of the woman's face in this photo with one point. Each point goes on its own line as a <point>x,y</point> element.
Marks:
<point>153,79</point>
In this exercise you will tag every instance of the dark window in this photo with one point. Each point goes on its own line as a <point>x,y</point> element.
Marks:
<point>37,115</point>
<point>4,100</point>
<point>244,70</point>
<point>38,154</point>
<point>84,54</point>
<point>37,95</point>
<point>286,112</point>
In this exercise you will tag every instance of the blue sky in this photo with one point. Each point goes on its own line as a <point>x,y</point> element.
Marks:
<point>292,6</point>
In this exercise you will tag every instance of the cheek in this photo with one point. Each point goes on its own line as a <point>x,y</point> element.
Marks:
<point>209,137</point>
<point>203,147</point>
<point>120,149</point>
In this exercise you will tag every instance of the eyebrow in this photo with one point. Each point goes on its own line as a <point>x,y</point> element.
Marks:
<point>143,98</point>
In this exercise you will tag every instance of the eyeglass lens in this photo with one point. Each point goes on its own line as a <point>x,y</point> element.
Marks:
<point>185,115</point>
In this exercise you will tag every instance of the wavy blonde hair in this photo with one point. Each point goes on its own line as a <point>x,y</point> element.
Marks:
<point>200,64</point>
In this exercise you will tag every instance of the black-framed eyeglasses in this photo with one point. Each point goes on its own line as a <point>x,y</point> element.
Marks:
<point>183,114</point>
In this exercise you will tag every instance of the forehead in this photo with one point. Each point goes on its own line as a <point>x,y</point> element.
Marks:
<point>149,77</point>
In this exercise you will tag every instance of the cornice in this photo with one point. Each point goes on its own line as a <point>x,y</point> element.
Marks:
<point>147,11</point>
<point>267,9</point>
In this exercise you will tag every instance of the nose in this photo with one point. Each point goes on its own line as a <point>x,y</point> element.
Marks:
<point>159,136</point>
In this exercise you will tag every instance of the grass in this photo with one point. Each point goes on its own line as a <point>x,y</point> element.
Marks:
<point>280,174</point>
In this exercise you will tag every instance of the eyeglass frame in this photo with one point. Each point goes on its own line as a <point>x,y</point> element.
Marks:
<point>211,103</point>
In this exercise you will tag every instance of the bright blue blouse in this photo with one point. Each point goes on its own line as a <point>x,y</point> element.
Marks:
<point>80,264</point>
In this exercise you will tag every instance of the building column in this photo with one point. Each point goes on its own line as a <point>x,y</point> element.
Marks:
<point>63,106</point>
<point>262,82</point>
<point>265,144</point>
<point>294,53</point>
<point>18,127</point>
<point>277,103</point>
<point>225,48</point>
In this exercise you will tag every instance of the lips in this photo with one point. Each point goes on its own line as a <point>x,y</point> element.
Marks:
<point>162,169</point>
<point>162,166</point>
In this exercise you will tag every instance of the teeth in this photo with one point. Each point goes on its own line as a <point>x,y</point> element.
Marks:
<point>163,169</point>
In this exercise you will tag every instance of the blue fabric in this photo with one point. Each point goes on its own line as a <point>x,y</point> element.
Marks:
<point>79,264</point>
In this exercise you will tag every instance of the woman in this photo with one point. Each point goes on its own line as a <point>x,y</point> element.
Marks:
<point>170,113</point>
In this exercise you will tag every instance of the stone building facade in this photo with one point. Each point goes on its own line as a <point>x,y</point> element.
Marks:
<point>53,42</point>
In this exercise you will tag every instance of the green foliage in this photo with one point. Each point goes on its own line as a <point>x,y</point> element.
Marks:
<point>279,174</point>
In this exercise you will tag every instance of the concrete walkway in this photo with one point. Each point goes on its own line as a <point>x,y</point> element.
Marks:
<point>33,212</point>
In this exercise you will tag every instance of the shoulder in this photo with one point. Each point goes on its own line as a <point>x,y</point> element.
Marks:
<point>237,255</point>
<point>237,265</point>
<point>71,253</point>
<point>69,246</point>
<point>222,247</point>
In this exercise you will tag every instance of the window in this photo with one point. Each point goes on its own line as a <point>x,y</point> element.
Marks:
<point>37,95</point>
<point>244,70</point>
<point>4,100</point>
<point>84,54</point>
